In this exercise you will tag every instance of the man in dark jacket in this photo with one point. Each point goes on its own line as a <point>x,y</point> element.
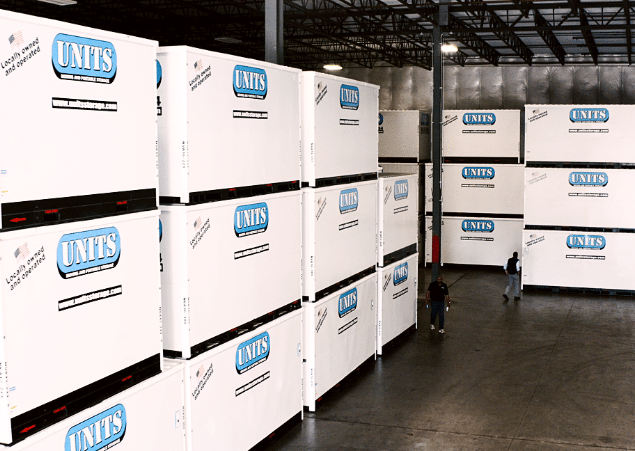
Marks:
<point>512,269</point>
<point>438,292</point>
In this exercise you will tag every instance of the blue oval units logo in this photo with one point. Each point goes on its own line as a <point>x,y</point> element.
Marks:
<point>589,115</point>
<point>84,59</point>
<point>400,275</point>
<point>252,352</point>
<point>103,431</point>
<point>381,118</point>
<point>586,242</point>
<point>160,230</point>
<point>251,219</point>
<point>477,225</point>
<point>159,73</point>
<point>478,172</point>
<point>588,179</point>
<point>479,118</point>
<point>349,97</point>
<point>349,200</point>
<point>88,252</point>
<point>401,189</point>
<point>347,302</point>
<point>250,82</point>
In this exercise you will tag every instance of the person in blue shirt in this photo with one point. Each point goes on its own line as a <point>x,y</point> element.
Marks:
<point>512,269</point>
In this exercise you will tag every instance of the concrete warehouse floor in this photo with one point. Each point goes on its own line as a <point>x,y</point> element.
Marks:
<point>551,372</point>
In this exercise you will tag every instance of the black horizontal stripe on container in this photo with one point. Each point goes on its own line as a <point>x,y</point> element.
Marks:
<point>482,215</point>
<point>57,410</point>
<point>345,179</point>
<point>582,290</point>
<point>399,160</point>
<point>482,160</point>
<point>579,229</point>
<point>33,213</point>
<point>235,332</point>
<point>341,284</point>
<point>217,195</point>
<point>578,165</point>
<point>400,254</point>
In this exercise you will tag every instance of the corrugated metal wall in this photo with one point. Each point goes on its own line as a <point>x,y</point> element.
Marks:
<point>410,88</point>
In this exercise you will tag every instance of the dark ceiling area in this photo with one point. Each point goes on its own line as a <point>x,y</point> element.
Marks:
<point>370,33</point>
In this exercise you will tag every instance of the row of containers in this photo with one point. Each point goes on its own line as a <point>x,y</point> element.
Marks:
<point>482,179</point>
<point>263,284</point>
<point>580,171</point>
<point>563,210</point>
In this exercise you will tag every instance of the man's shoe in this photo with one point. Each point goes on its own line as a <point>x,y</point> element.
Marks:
<point>431,326</point>
<point>516,298</point>
<point>441,331</point>
<point>505,296</point>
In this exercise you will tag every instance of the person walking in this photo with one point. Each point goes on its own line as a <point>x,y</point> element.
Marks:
<point>438,293</point>
<point>512,269</point>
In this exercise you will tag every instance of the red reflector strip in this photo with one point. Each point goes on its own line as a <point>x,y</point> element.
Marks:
<point>232,189</point>
<point>271,436</point>
<point>60,409</point>
<point>270,184</point>
<point>126,378</point>
<point>50,211</point>
<point>27,429</point>
<point>17,220</point>
<point>122,202</point>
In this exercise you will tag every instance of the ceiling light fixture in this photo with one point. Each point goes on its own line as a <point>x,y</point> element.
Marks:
<point>449,48</point>
<point>332,67</point>
<point>60,2</point>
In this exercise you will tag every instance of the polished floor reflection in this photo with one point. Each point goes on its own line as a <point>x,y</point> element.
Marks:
<point>551,372</point>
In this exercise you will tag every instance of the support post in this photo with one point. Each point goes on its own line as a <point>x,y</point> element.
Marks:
<point>437,111</point>
<point>274,31</point>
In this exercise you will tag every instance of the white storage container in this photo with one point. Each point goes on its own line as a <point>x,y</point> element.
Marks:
<point>148,416</point>
<point>240,392</point>
<point>397,299</point>
<point>579,197</point>
<point>482,188</point>
<point>404,136</point>
<point>579,133</point>
<point>481,134</point>
<point>225,264</point>
<point>81,303</point>
<point>397,217</point>
<point>226,122</point>
<point>410,168</point>
<point>339,127</point>
<point>339,239</point>
<point>477,241</point>
<point>428,205</point>
<point>578,259</point>
<point>338,340</point>
<point>79,122</point>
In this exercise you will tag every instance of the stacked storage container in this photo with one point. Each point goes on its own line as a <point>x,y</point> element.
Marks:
<point>397,263</point>
<point>579,176</point>
<point>404,148</point>
<point>229,154</point>
<point>482,187</point>
<point>80,309</point>
<point>339,179</point>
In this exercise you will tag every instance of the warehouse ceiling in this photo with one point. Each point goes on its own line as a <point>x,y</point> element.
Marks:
<point>370,33</point>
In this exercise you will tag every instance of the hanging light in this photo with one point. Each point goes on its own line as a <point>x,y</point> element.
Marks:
<point>332,67</point>
<point>449,48</point>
